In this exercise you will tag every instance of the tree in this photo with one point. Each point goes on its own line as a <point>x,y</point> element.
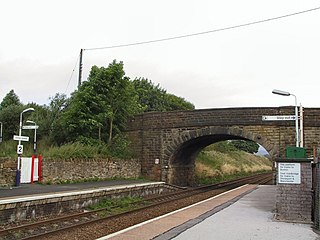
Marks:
<point>10,109</point>
<point>154,98</point>
<point>245,145</point>
<point>102,105</point>
<point>10,99</point>
<point>9,116</point>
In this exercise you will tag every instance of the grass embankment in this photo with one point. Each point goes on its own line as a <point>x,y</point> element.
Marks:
<point>75,150</point>
<point>214,166</point>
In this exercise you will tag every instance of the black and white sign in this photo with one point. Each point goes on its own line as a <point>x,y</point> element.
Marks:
<point>279,118</point>
<point>30,127</point>
<point>19,149</point>
<point>289,173</point>
<point>20,138</point>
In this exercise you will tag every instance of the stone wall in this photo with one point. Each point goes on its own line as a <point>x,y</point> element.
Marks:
<point>57,171</point>
<point>7,171</point>
<point>28,207</point>
<point>294,201</point>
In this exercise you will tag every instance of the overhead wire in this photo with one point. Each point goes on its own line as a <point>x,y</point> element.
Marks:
<point>72,73</point>
<point>205,32</point>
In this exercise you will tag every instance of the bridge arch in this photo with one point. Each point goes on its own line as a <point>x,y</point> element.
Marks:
<point>165,142</point>
<point>179,156</point>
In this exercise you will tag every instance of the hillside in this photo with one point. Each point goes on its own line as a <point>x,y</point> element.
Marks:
<point>213,166</point>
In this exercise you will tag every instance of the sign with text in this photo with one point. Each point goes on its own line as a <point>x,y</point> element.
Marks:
<point>20,138</point>
<point>30,127</point>
<point>279,118</point>
<point>289,173</point>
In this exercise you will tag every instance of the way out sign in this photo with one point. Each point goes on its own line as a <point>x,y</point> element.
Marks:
<point>289,173</point>
<point>279,118</point>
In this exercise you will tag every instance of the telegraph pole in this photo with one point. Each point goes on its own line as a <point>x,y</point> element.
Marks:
<point>80,68</point>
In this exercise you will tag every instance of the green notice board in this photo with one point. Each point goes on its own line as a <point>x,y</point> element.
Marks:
<point>295,152</point>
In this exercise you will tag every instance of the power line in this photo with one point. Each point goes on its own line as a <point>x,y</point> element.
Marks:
<point>72,73</point>
<point>206,32</point>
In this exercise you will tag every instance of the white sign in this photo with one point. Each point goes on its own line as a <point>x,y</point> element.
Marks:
<point>30,127</point>
<point>279,118</point>
<point>289,173</point>
<point>19,149</point>
<point>20,138</point>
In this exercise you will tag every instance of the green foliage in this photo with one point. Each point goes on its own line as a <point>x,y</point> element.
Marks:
<point>216,163</point>
<point>10,99</point>
<point>10,117</point>
<point>91,122</point>
<point>245,145</point>
<point>77,150</point>
<point>154,98</point>
<point>102,105</point>
<point>120,147</point>
<point>223,147</point>
<point>117,204</point>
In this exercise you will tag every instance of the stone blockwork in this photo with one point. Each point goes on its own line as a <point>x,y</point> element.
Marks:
<point>12,210</point>
<point>55,171</point>
<point>7,171</point>
<point>175,138</point>
<point>72,170</point>
<point>294,201</point>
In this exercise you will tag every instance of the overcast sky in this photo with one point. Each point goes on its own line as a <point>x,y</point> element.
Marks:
<point>40,41</point>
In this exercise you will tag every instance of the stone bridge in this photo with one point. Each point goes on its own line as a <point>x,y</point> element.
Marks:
<point>168,143</point>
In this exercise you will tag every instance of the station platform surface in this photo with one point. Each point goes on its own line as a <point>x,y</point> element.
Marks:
<point>40,189</point>
<point>240,214</point>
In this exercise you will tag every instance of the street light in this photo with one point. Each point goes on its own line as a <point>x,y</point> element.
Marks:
<point>284,93</point>
<point>35,136</point>
<point>18,172</point>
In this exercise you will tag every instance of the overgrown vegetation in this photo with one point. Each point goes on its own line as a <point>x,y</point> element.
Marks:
<point>221,162</point>
<point>93,118</point>
<point>117,205</point>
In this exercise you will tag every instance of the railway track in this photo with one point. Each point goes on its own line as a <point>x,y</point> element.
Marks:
<point>61,225</point>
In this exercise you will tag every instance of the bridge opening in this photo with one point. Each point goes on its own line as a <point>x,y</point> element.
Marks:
<point>213,158</point>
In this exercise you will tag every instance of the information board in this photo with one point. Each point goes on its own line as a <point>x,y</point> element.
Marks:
<point>289,173</point>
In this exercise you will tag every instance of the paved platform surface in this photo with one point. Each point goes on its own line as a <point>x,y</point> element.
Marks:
<point>249,218</point>
<point>34,189</point>
<point>241,214</point>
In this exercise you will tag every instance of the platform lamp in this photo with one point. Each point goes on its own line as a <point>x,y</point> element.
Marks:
<point>35,136</point>
<point>284,93</point>
<point>18,172</point>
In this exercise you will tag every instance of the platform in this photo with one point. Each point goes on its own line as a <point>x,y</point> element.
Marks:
<point>36,188</point>
<point>32,201</point>
<point>242,213</point>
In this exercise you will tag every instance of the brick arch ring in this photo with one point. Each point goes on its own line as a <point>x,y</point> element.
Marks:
<point>188,135</point>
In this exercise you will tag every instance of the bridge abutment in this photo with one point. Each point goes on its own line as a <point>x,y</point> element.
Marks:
<point>175,138</point>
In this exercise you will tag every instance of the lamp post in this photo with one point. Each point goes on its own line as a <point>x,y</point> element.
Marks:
<point>284,93</point>
<point>35,136</point>
<point>18,172</point>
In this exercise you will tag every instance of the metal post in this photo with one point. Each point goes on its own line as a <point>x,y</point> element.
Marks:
<point>301,127</point>
<point>80,68</point>
<point>284,93</point>
<point>35,137</point>
<point>296,120</point>
<point>18,172</point>
<point>1,138</point>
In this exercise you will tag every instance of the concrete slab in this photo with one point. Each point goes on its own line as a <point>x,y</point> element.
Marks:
<point>249,218</point>
<point>185,217</point>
